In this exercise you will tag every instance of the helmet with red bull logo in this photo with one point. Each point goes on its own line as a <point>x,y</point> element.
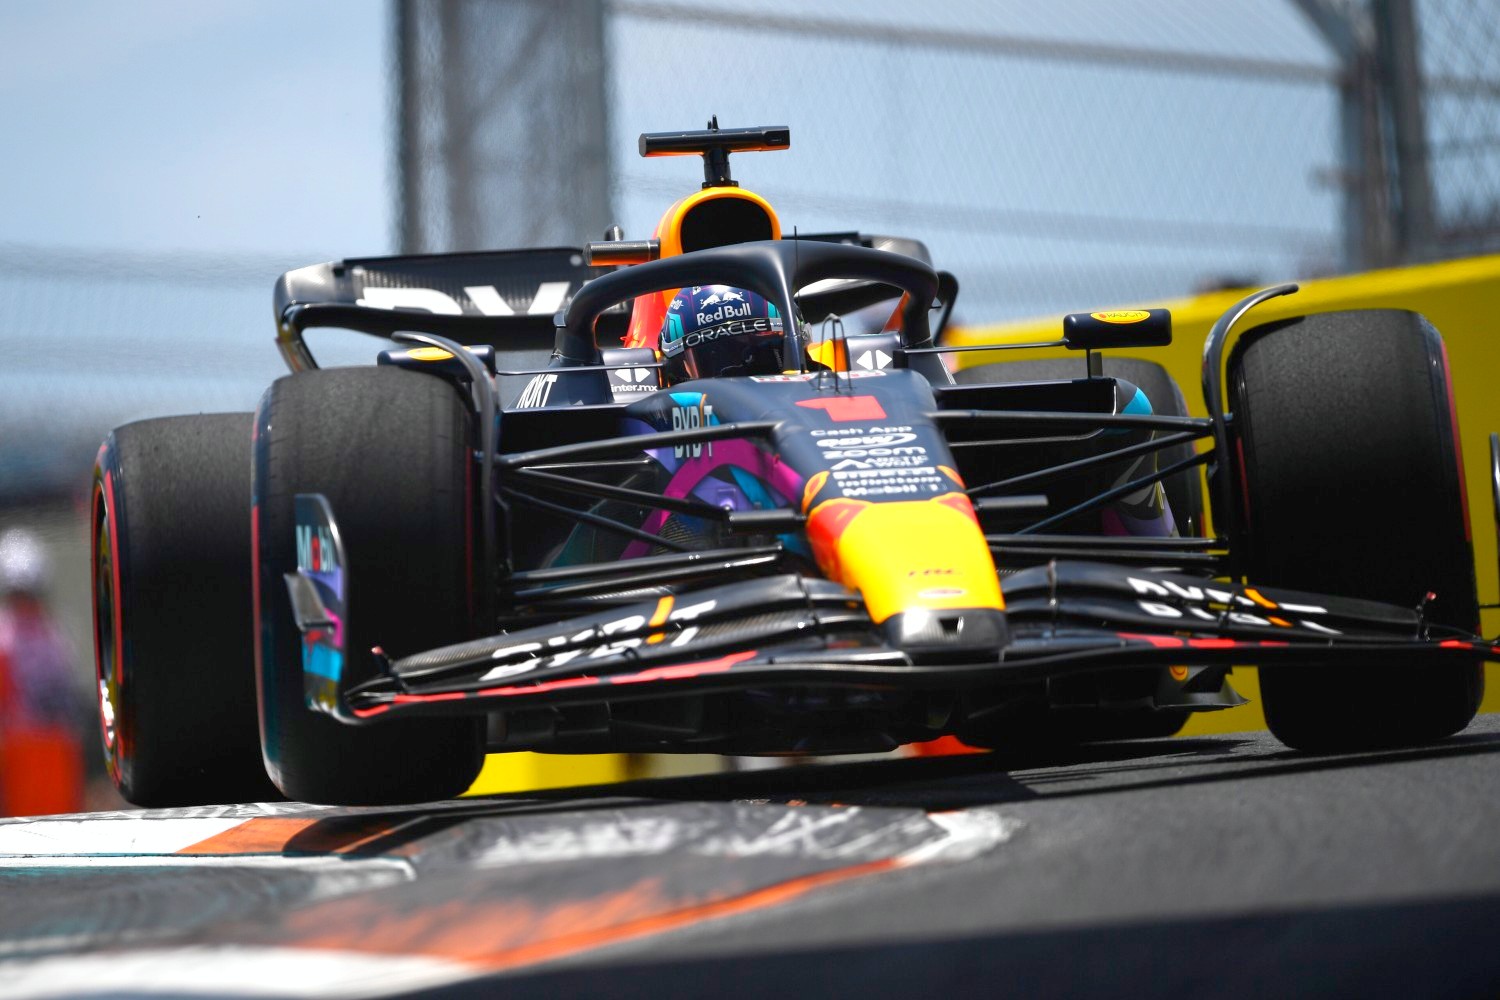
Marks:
<point>715,330</point>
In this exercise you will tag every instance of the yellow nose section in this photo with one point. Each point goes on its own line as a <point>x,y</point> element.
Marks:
<point>906,554</point>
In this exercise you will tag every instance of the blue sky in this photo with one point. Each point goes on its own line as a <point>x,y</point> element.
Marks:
<point>164,161</point>
<point>156,125</point>
<point>263,127</point>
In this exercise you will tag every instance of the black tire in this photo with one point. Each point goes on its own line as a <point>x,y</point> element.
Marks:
<point>389,449</point>
<point>1352,485</point>
<point>1185,490</point>
<point>173,634</point>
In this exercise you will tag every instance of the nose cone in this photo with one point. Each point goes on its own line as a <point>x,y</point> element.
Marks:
<point>907,556</point>
<point>979,632</point>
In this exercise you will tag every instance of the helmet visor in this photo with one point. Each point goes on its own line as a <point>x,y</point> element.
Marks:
<point>748,346</point>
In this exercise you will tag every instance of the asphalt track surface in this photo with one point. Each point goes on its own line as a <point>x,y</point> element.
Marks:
<point>1209,867</point>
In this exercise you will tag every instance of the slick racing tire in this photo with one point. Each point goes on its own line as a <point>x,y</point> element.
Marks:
<point>173,634</point>
<point>1352,485</point>
<point>389,450</point>
<point>1184,490</point>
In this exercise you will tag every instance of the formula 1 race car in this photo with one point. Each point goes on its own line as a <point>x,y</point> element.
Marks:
<point>772,522</point>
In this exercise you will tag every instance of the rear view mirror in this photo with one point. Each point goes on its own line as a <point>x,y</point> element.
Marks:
<point>1117,328</point>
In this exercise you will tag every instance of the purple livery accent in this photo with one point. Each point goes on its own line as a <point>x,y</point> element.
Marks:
<point>1118,523</point>
<point>715,491</point>
<point>666,456</point>
<point>335,617</point>
<point>690,474</point>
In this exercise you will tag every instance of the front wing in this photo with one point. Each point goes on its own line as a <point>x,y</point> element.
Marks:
<point>1066,617</point>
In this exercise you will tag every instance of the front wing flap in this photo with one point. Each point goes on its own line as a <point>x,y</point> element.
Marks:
<point>1065,617</point>
<point>1059,652</point>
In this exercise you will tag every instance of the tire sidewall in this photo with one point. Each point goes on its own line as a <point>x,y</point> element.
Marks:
<point>1369,390</point>
<point>310,755</point>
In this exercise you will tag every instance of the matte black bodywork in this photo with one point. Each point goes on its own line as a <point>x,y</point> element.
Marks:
<point>613,630</point>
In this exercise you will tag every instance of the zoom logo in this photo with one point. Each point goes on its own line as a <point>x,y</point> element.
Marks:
<point>868,441</point>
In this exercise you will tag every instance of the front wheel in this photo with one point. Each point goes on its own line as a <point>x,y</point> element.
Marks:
<point>389,449</point>
<point>1352,484</point>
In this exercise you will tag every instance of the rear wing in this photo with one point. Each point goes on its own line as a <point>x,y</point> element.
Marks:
<point>504,298</point>
<point>507,299</point>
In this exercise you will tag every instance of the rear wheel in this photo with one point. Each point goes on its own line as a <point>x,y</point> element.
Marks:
<point>172,624</point>
<point>389,449</point>
<point>1352,483</point>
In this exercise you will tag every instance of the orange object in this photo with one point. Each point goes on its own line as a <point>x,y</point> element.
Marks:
<point>651,310</point>
<point>943,746</point>
<point>41,772</point>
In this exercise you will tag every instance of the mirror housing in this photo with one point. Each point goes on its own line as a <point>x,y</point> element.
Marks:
<point>1097,331</point>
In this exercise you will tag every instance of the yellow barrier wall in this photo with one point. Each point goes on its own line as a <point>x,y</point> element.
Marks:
<point>1461,298</point>
<point>525,772</point>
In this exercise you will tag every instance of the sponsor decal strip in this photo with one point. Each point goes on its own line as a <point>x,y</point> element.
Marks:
<point>680,671</point>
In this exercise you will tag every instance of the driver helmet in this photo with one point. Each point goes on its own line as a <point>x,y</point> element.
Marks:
<point>715,330</point>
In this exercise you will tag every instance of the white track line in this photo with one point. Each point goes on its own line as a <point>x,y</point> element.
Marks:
<point>60,837</point>
<point>285,862</point>
<point>969,833</point>
<point>236,970</point>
